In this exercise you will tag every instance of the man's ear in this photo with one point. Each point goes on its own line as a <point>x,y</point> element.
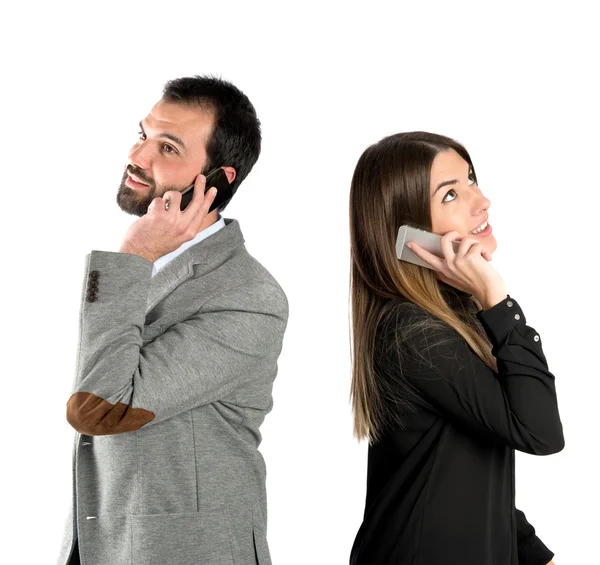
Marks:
<point>230,172</point>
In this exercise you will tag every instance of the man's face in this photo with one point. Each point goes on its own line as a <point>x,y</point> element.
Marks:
<point>170,153</point>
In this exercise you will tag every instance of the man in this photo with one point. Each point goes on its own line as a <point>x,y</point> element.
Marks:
<point>180,332</point>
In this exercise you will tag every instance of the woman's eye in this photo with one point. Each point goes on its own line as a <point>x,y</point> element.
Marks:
<point>141,133</point>
<point>471,178</point>
<point>451,190</point>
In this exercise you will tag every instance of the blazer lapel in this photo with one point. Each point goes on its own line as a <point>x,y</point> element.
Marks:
<point>205,255</point>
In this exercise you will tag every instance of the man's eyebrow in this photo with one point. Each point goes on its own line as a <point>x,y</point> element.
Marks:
<point>168,136</point>
<point>447,182</point>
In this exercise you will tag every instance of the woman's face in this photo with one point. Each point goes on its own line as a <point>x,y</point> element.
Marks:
<point>458,204</point>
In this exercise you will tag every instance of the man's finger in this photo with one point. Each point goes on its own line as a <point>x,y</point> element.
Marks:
<point>197,201</point>
<point>204,209</point>
<point>209,198</point>
<point>173,196</point>
<point>199,190</point>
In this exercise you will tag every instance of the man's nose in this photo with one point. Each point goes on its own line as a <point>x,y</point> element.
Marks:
<point>140,156</point>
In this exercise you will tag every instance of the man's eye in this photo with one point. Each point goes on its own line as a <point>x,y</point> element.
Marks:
<point>166,147</point>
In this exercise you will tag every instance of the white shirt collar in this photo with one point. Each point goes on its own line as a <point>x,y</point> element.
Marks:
<point>162,261</point>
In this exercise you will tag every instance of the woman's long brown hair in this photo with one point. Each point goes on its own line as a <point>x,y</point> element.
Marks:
<point>391,187</point>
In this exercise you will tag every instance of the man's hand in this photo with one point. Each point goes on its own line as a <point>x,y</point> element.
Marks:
<point>161,231</point>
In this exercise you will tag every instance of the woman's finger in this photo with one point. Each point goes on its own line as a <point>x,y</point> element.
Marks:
<point>446,242</point>
<point>429,258</point>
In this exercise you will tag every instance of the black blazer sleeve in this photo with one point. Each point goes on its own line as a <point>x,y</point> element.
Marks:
<point>531,549</point>
<point>517,406</point>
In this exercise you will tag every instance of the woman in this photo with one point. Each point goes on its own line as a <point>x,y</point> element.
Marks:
<point>447,378</point>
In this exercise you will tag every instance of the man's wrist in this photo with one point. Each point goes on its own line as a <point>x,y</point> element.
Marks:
<point>126,248</point>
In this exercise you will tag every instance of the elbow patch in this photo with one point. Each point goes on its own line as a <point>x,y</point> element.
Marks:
<point>93,416</point>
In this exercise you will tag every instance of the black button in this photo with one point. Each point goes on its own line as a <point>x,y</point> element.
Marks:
<point>94,274</point>
<point>93,284</point>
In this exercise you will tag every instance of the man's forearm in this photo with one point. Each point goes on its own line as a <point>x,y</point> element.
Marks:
<point>112,322</point>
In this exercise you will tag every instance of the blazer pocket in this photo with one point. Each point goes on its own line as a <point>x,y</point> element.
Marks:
<point>186,538</point>
<point>261,549</point>
<point>259,535</point>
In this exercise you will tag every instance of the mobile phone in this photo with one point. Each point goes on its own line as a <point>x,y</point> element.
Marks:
<point>427,240</point>
<point>216,177</point>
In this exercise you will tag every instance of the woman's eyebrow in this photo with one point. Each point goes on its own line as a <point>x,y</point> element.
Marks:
<point>168,136</point>
<point>447,182</point>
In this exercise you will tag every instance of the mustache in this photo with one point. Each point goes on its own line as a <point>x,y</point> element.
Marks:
<point>139,174</point>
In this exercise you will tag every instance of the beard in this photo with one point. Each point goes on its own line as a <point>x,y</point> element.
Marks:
<point>136,202</point>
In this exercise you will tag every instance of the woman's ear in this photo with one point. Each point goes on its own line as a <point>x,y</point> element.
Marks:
<point>230,172</point>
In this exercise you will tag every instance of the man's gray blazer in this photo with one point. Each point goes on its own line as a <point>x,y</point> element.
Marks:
<point>173,379</point>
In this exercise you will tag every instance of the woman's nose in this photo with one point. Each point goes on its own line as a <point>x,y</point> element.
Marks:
<point>486,203</point>
<point>481,203</point>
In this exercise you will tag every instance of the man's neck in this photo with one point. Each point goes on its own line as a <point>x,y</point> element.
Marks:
<point>209,220</point>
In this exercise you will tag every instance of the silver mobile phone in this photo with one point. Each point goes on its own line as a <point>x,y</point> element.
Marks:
<point>427,240</point>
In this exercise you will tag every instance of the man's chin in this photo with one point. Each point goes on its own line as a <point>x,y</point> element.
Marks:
<point>130,202</point>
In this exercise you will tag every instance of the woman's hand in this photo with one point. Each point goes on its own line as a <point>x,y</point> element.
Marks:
<point>468,269</point>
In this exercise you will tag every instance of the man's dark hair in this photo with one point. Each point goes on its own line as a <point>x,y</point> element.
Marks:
<point>236,137</point>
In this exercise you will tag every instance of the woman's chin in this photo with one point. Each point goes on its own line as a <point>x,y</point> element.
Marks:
<point>489,244</point>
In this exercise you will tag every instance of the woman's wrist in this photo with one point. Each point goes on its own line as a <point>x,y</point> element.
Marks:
<point>490,300</point>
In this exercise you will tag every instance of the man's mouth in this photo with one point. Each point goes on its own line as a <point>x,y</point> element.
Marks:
<point>134,182</point>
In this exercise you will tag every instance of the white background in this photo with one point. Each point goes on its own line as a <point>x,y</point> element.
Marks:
<point>516,83</point>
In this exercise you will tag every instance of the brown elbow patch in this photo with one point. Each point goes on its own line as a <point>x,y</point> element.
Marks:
<point>93,416</point>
